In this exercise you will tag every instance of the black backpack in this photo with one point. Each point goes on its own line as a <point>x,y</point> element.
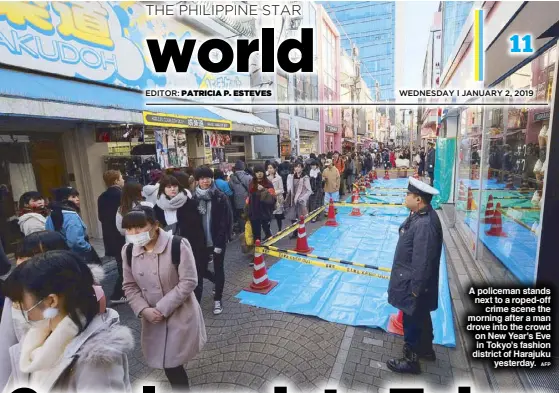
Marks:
<point>175,251</point>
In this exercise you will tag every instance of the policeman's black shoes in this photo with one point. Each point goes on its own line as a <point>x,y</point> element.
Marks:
<point>428,355</point>
<point>407,365</point>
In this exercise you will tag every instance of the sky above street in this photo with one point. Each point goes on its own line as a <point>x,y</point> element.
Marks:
<point>417,19</point>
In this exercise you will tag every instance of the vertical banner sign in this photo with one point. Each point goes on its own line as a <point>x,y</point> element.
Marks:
<point>478,45</point>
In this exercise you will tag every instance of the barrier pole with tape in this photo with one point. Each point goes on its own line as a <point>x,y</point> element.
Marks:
<point>293,227</point>
<point>307,261</point>
<point>344,204</point>
<point>358,264</point>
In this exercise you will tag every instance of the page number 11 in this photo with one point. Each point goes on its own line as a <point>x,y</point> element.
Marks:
<point>516,44</point>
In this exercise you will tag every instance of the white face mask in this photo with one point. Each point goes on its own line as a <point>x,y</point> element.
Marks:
<point>48,313</point>
<point>141,239</point>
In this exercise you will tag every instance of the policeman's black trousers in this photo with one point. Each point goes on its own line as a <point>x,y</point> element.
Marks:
<point>177,378</point>
<point>418,331</point>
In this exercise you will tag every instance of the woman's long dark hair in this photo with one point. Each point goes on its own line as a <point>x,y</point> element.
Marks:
<point>40,242</point>
<point>56,272</point>
<point>131,196</point>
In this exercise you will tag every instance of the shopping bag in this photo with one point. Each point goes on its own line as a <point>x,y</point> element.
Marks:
<point>249,238</point>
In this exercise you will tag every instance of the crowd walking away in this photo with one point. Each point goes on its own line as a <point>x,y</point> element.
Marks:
<point>168,236</point>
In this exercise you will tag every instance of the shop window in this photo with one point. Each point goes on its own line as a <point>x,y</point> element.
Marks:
<point>468,182</point>
<point>514,157</point>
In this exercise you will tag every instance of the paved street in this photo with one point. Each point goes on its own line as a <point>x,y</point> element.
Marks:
<point>250,348</point>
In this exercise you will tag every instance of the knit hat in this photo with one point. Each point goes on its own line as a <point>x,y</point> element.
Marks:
<point>259,168</point>
<point>239,166</point>
<point>203,171</point>
<point>63,193</point>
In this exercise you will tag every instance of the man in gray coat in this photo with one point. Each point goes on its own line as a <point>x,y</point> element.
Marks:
<point>414,280</point>
<point>239,183</point>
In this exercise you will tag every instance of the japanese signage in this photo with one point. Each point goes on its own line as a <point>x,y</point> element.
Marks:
<point>331,128</point>
<point>102,42</point>
<point>177,121</point>
<point>259,130</point>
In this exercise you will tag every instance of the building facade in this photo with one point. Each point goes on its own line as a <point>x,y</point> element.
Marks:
<point>371,26</point>
<point>503,196</point>
<point>329,64</point>
<point>74,106</point>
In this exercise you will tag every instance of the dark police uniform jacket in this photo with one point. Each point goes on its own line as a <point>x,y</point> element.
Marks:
<point>416,263</point>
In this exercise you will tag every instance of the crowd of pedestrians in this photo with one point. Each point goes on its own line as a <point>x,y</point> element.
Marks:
<point>167,237</point>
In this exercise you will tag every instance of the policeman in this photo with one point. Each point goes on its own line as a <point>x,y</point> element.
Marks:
<point>414,281</point>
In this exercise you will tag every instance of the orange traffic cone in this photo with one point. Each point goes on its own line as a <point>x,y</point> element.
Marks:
<point>355,212</point>
<point>471,204</point>
<point>510,183</point>
<point>489,211</point>
<point>302,245</point>
<point>386,175</point>
<point>497,224</point>
<point>331,221</point>
<point>396,323</point>
<point>260,281</point>
<point>375,177</point>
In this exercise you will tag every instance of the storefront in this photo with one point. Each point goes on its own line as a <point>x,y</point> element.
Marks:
<point>285,140</point>
<point>188,141</point>
<point>331,135</point>
<point>308,142</point>
<point>502,166</point>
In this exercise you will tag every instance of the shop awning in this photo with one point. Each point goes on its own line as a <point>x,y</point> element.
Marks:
<point>57,97</point>
<point>53,97</point>
<point>245,122</point>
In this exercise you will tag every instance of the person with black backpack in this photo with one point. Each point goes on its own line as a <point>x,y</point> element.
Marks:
<point>159,282</point>
<point>217,220</point>
<point>177,212</point>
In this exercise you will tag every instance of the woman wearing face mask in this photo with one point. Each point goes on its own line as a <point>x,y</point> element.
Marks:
<point>261,202</point>
<point>69,346</point>
<point>298,192</point>
<point>217,220</point>
<point>277,182</point>
<point>161,292</point>
<point>316,199</point>
<point>12,325</point>
<point>177,211</point>
<point>131,198</point>
<point>65,218</point>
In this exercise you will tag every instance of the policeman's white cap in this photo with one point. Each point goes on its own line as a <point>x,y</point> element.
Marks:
<point>418,187</point>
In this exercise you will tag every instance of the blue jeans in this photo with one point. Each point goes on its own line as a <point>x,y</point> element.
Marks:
<point>335,196</point>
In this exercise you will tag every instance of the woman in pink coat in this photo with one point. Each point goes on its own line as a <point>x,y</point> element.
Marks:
<point>162,294</point>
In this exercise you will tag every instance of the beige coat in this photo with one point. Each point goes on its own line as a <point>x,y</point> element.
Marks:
<point>94,361</point>
<point>278,188</point>
<point>153,281</point>
<point>331,176</point>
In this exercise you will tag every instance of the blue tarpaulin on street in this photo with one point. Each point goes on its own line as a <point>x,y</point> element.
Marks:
<point>349,298</point>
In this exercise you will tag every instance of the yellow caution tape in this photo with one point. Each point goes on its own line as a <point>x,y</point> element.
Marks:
<point>287,231</point>
<point>307,261</point>
<point>384,269</point>
<point>344,204</point>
